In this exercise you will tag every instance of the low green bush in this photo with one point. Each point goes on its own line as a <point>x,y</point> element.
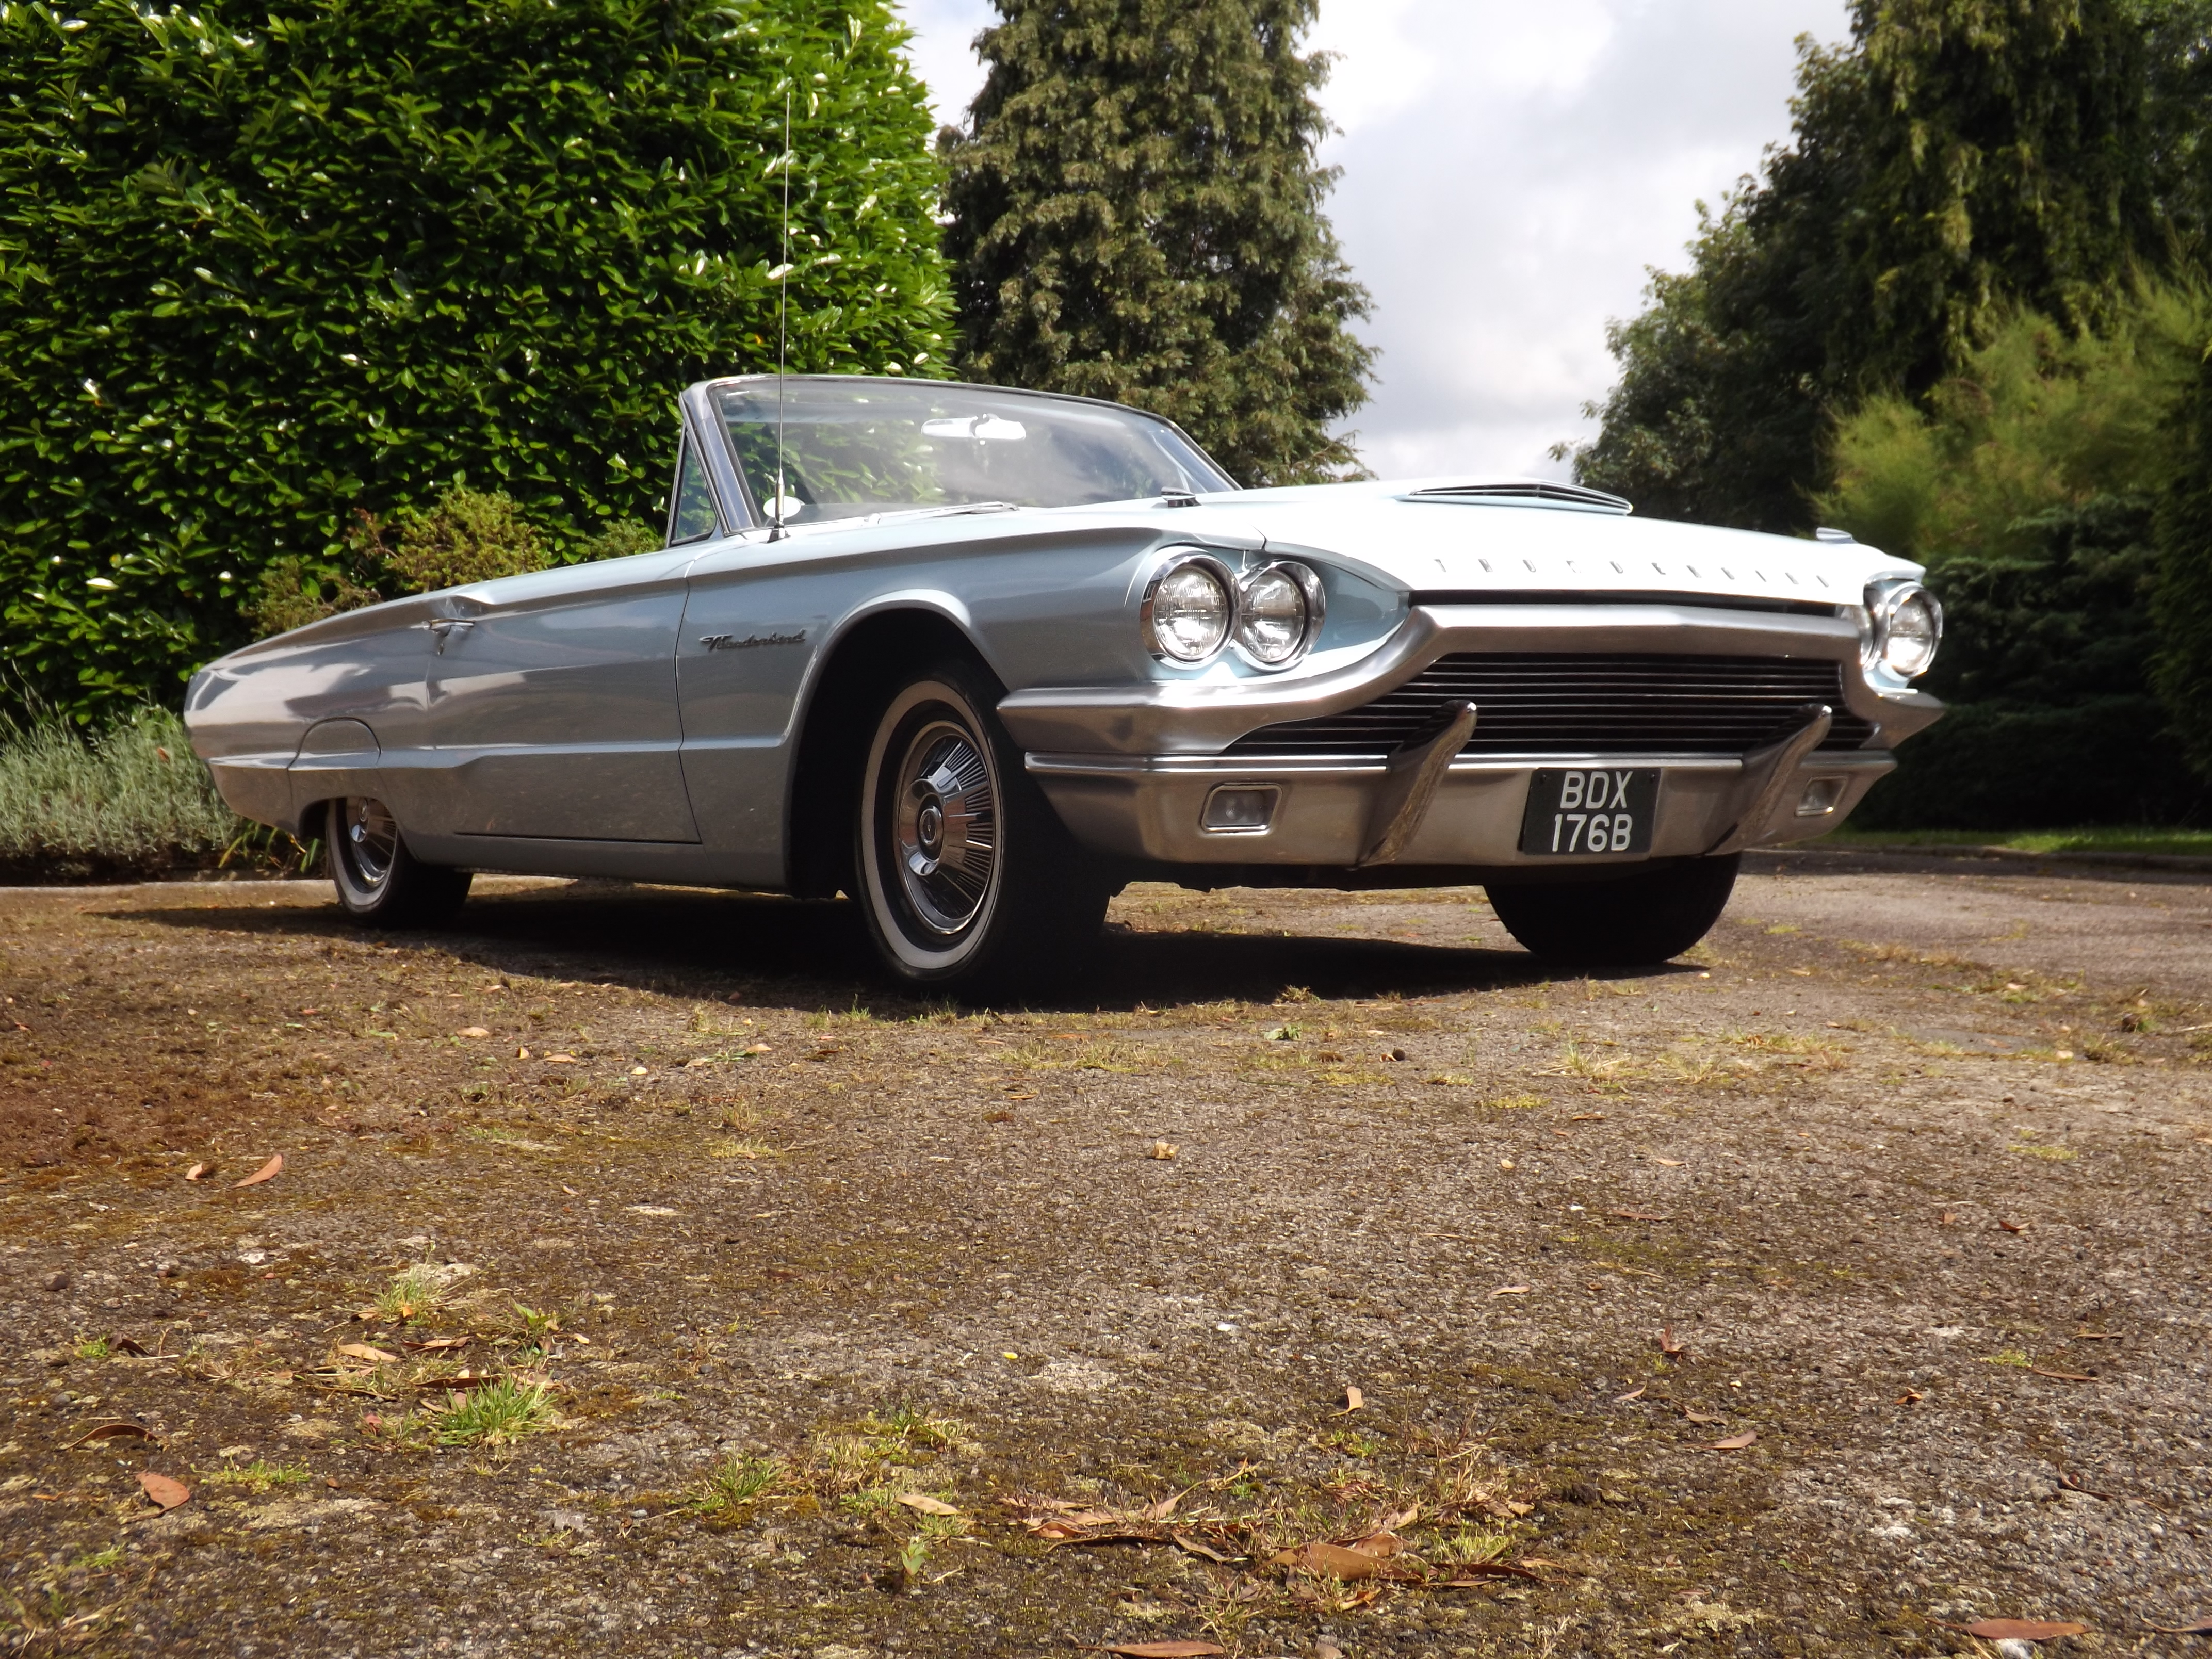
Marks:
<point>127,802</point>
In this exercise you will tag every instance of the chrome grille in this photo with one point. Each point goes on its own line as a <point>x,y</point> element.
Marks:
<point>1546,703</point>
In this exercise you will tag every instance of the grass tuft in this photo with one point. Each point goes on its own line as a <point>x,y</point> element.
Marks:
<point>734,1482</point>
<point>412,1296</point>
<point>259,1476</point>
<point>494,1414</point>
<point>133,799</point>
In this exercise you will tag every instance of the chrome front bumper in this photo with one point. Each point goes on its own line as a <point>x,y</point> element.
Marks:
<point>1130,770</point>
<point>1153,807</point>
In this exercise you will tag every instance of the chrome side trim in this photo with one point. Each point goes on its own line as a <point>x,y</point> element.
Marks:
<point>1409,785</point>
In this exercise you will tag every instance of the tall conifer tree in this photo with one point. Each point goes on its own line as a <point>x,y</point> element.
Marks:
<point>1137,215</point>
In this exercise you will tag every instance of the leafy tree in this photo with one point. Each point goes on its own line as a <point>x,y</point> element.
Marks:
<point>2029,485</point>
<point>1957,159</point>
<point>1136,214</point>
<point>1726,383</point>
<point>269,261</point>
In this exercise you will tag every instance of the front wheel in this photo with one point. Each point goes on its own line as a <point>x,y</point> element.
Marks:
<point>968,879</point>
<point>380,883</point>
<point>1635,922</point>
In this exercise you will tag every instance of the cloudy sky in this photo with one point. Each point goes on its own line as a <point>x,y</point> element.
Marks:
<point>1509,170</point>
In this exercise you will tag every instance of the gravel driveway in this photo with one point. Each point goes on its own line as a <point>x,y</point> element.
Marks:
<point>641,1277</point>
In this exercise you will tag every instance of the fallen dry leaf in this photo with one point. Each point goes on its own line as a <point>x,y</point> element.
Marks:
<point>362,1351</point>
<point>472,1032</point>
<point>1195,1547</point>
<point>2012,1226</point>
<point>1700,1417</point>
<point>1162,1650</point>
<point>1473,1571</point>
<point>1669,1163</point>
<point>2016,1630</point>
<point>1636,1392</point>
<point>928,1505</point>
<point>1164,1149</point>
<point>268,1172</point>
<point>164,1492</point>
<point>1510,1289</point>
<point>1910,1397</point>
<point>1337,1561</point>
<point>1735,1442</point>
<point>1586,1117</point>
<point>2201,1627</point>
<point>110,1431</point>
<point>196,1172</point>
<point>1353,1400</point>
<point>1667,1345</point>
<point>1161,1511</point>
<point>1065,1527</point>
<point>435,1344</point>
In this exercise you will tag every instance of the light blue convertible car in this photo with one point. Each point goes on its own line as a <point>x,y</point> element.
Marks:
<point>978,657</point>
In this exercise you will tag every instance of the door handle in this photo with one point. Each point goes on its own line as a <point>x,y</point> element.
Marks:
<point>445,627</point>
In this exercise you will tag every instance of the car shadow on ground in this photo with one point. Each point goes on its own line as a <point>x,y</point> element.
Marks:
<point>768,950</point>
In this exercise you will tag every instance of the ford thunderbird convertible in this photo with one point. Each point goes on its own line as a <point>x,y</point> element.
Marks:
<point>976,658</point>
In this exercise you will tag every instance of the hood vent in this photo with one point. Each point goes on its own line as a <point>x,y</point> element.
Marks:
<point>1536,492</point>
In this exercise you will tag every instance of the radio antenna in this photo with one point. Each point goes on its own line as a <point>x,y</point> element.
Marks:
<point>783,301</point>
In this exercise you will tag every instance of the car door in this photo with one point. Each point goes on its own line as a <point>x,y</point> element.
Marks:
<point>754,623</point>
<point>550,705</point>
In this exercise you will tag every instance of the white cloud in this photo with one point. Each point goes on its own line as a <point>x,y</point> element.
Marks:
<point>1509,171</point>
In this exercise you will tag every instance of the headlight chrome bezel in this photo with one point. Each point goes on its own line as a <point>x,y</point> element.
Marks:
<point>1314,602</point>
<point>1237,587</point>
<point>1224,578</point>
<point>1884,600</point>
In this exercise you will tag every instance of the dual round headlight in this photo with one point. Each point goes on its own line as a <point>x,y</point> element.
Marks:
<point>1904,626</point>
<point>1196,605</point>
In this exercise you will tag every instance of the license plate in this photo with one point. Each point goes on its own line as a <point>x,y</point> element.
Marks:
<point>1595,811</point>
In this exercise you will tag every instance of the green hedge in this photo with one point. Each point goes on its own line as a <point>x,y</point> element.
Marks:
<point>2045,660</point>
<point>264,262</point>
<point>2023,765</point>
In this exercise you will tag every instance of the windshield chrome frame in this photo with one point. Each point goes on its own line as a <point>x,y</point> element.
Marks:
<point>702,410</point>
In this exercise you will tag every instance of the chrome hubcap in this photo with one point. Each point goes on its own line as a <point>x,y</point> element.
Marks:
<point>946,826</point>
<point>371,840</point>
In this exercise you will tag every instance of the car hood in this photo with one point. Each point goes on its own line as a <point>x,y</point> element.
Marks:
<point>1520,546</point>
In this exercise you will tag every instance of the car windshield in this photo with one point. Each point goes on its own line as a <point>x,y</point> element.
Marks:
<point>856,446</point>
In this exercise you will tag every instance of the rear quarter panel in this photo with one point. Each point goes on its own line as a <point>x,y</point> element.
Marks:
<point>247,714</point>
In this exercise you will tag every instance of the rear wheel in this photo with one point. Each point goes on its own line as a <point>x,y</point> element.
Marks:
<point>380,883</point>
<point>968,879</point>
<point>1636,921</point>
